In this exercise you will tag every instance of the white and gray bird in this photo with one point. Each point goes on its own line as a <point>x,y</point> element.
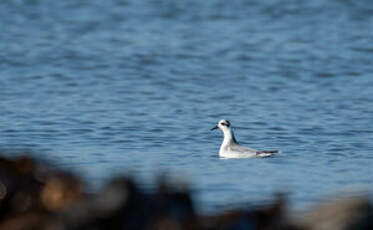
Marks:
<point>231,149</point>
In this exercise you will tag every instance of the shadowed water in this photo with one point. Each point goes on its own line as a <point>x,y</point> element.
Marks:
<point>107,87</point>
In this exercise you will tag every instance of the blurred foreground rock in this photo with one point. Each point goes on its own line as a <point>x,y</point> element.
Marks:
<point>34,196</point>
<point>349,213</point>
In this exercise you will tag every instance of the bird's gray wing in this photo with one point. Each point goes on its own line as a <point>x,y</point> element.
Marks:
<point>242,149</point>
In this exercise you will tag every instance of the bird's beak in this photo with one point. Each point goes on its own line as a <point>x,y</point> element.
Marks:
<point>216,127</point>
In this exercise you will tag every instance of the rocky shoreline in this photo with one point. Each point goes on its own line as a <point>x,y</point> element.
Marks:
<point>36,196</point>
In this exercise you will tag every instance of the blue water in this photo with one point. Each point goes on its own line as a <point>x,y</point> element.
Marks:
<point>111,87</point>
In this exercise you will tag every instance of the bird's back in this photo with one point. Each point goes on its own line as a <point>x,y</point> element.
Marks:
<point>234,150</point>
<point>242,149</point>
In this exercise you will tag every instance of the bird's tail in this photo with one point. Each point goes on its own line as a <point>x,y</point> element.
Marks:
<point>266,153</point>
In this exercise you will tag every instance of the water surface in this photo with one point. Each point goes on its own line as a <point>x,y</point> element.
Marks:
<point>134,87</point>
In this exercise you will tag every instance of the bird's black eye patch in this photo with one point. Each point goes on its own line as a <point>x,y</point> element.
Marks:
<point>224,124</point>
